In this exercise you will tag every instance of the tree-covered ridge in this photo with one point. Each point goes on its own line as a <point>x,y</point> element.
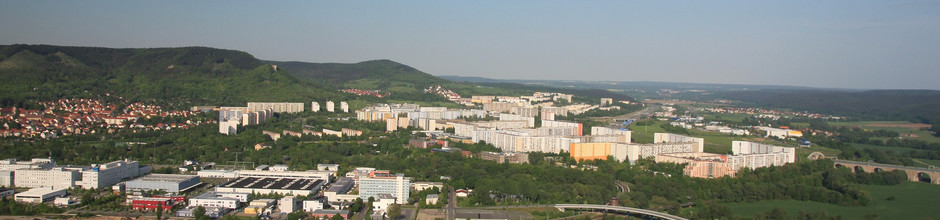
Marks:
<point>191,75</point>
<point>376,74</point>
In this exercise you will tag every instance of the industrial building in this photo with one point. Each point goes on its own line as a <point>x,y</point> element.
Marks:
<point>56,178</point>
<point>383,182</point>
<point>220,200</point>
<point>171,183</point>
<point>312,205</point>
<point>105,175</point>
<point>39,195</point>
<point>505,157</point>
<point>420,186</point>
<point>151,204</point>
<point>329,213</point>
<point>309,174</point>
<point>337,191</point>
<point>284,186</point>
<point>780,132</point>
<point>6,178</point>
<point>35,163</point>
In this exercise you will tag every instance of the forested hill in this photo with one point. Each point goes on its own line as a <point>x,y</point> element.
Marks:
<point>909,105</point>
<point>375,74</point>
<point>185,76</point>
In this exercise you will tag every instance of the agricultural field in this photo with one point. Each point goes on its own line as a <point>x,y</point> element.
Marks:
<point>907,129</point>
<point>909,200</point>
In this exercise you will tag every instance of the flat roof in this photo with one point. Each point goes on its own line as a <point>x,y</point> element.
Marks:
<point>273,183</point>
<point>176,178</point>
<point>342,185</point>
<point>39,191</point>
<point>213,195</point>
<point>331,211</point>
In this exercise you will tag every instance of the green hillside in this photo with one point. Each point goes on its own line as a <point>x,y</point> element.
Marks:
<point>188,76</point>
<point>376,74</point>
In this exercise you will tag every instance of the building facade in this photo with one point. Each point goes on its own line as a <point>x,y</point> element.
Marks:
<point>382,182</point>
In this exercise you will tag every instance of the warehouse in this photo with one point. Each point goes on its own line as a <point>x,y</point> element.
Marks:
<point>171,183</point>
<point>284,186</point>
<point>39,195</point>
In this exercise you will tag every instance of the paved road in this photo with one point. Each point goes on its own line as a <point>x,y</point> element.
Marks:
<point>623,186</point>
<point>641,114</point>
<point>452,204</point>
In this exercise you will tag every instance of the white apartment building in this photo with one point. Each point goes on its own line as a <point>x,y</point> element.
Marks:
<point>675,138</point>
<point>627,135</point>
<point>277,107</point>
<point>330,107</point>
<point>755,155</point>
<point>315,107</point>
<point>634,152</point>
<point>382,182</point>
<point>343,106</point>
<point>530,121</point>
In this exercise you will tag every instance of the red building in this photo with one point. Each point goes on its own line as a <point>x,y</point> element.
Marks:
<point>175,198</point>
<point>152,204</point>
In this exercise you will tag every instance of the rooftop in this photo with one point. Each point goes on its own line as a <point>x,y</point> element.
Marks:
<point>39,191</point>
<point>273,183</point>
<point>330,212</point>
<point>176,178</point>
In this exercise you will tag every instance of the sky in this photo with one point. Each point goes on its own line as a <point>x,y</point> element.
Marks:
<point>829,44</point>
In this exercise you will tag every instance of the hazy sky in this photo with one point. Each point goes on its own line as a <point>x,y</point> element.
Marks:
<point>844,44</point>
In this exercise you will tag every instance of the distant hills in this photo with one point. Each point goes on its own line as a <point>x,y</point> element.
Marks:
<point>909,105</point>
<point>207,76</point>
<point>196,75</point>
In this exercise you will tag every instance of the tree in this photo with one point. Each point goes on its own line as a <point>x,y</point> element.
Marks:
<point>394,211</point>
<point>199,212</point>
<point>337,217</point>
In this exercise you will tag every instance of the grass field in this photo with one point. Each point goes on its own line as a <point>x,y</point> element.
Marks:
<point>906,132</point>
<point>714,142</point>
<point>911,201</point>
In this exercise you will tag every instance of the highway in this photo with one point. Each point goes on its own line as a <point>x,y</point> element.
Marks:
<point>656,214</point>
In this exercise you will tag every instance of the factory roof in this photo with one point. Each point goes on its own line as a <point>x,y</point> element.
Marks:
<point>273,183</point>
<point>176,178</point>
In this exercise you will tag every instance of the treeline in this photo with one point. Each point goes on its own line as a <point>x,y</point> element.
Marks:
<point>10,207</point>
<point>806,181</point>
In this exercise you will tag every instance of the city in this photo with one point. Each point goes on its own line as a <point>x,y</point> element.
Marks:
<point>469,110</point>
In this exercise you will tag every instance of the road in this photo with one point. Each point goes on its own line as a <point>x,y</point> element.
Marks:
<point>641,114</point>
<point>622,186</point>
<point>452,204</point>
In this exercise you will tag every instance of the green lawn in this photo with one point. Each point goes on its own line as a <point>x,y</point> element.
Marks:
<point>911,201</point>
